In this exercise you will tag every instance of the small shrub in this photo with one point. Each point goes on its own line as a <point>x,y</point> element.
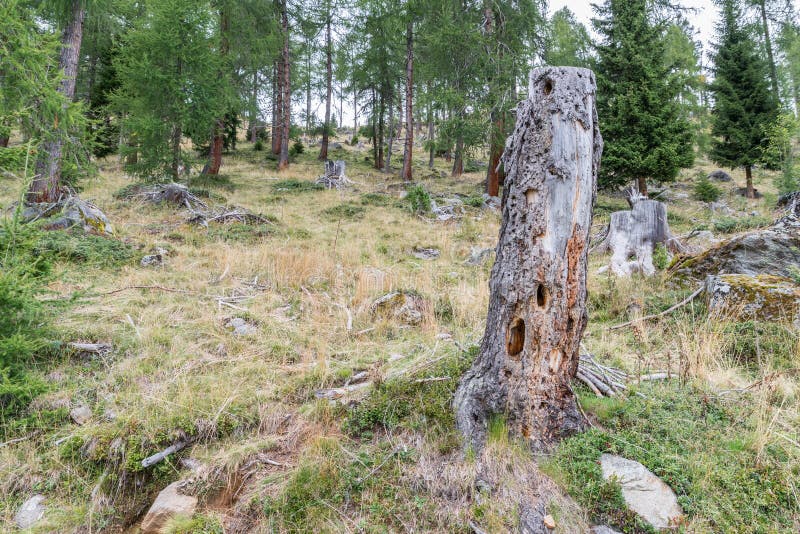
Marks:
<point>296,149</point>
<point>376,199</point>
<point>258,146</point>
<point>419,200</point>
<point>705,191</point>
<point>77,246</point>
<point>241,233</point>
<point>476,201</point>
<point>297,186</point>
<point>354,140</point>
<point>728,225</point>
<point>347,210</point>
<point>661,257</point>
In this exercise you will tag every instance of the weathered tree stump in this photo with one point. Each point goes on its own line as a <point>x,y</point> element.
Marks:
<point>537,307</point>
<point>634,234</point>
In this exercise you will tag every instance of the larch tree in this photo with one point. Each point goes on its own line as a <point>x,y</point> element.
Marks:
<point>744,106</point>
<point>285,89</point>
<point>408,149</point>
<point>568,43</point>
<point>45,185</point>
<point>646,136</point>
<point>326,126</point>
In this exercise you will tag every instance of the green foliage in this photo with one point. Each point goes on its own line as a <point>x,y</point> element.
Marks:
<point>716,476</point>
<point>645,131</point>
<point>729,225</point>
<point>13,159</point>
<point>376,199</point>
<point>241,233</point>
<point>296,149</point>
<point>568,43</point>
<point>293,185</point>
<point>779,153</point>
<point>418,199</point>
<point>258,146</point>
<point>24,319</point>
<point>754,344</point>
<point>661,257</point>
<point>196,524</point>
<point>704,190</point>
<point>77,246</point>
<point>347,210</point>
<point>743,104</point>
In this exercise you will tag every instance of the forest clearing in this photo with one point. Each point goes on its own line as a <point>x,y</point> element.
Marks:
<point>211,322</point>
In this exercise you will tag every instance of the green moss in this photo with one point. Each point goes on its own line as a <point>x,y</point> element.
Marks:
<point>296,186</point>
<point>347,210</point>
<point>684,437</point>
<point>77,246</point>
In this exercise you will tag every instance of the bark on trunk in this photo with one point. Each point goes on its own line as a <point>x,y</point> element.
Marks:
<point>177,134</point>
<point>218,131</point>
<point>641,184</point>
<point>323,150</point>
<point>254,108</point>
<point>773,71</point>
<point>537,307</point>
<point>493,173</point>
<point>409,145</point>
<point>286,112</point>
<point>45,185</point>
<point>277,106</point>
<point>431,143</point>
<point>379,134</point>
<point>458,159</point>
<point>387,166</point>
<point>748,173</point>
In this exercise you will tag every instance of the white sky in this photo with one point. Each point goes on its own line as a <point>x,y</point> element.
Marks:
<point>703,19</point>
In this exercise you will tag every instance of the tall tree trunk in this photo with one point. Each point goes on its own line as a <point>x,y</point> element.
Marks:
<point>493,173</point>
<point>409,145</point>
<point>308,89</point>
<point>431,143</point>
<point>218,131</point>
<point>537,304</point>
<point>341,105</point>
<point>254,108</point>
<point>379,147</point>
<point>641,185</point>
<point>277,106</point>
<point>323,149</point>
<point>458,158</point>
<point>177,134</point>
<point>773,70</point>
<point>750,192</point>
<point>286,115</point>
<point>355,110</point>
<point>387,166</point>
<point>45,185</point>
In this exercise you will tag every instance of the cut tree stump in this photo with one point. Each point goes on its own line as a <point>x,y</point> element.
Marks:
<point>537,307</point>
<point>634,234</point>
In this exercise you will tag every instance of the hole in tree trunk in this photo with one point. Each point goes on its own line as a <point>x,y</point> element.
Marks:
<point>515,337</point>
<point>548,87</point>
<point>541,295</point>
<point>530,197</point>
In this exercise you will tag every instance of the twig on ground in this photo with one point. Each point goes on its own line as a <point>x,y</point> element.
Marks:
<point>669,310</point>
<point>160,456</point>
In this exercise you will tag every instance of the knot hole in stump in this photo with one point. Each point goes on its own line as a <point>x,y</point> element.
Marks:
<point>541,296</point>
<point>548,86</point>
<point>515,337</point>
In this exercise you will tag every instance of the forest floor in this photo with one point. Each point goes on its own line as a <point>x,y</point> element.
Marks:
<point>266,455</point>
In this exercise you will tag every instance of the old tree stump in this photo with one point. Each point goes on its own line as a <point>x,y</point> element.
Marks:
<point>537,307</point>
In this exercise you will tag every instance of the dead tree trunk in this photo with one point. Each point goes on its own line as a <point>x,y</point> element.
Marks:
<point>537,307</point>
<point>750,192</point>
<point>323,150</point>
<point>409,145</point>
<point>44,187</point>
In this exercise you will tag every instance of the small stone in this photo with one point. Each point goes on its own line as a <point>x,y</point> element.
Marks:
<point>479,256</point>
<point>720,176</point>
<point>30,513</point>
<point>602,529</point>
<point>236,322</point>
<point>644,493</point>
<point>168,504</point>
<point>152,260</point>
<point>444,336</point>
<point>425,253</point>
<point>80,415</point>
<point>549,522</point>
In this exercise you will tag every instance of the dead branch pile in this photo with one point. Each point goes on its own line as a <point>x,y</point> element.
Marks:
<point>603,380</point>
<point>226,215</point>
<point>334,176</point>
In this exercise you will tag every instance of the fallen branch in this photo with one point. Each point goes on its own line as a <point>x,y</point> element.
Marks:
<point>92,348</point>
<point>155,288</point>
<point>160,456</point>
<point>669,310</point>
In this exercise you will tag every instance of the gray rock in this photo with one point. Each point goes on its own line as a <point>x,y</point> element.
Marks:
<point>479,256</point>
<point>763,297</point>
<point>80,414</point>
<point>30,513</point>
<point>644,493</point>
<point>169,503</point>
<point>774,251</point>
<point>425,253</point>
<point>720,176</point>
<point>602,529</point>
<point>152,260</point>
<point>240,327</point>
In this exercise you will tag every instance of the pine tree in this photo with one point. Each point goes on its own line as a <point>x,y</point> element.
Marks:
<point>743,104</point>
<point>568,43</point>
<point>646,136</point>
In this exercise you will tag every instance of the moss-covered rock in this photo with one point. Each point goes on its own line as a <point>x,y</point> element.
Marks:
<point>773,251</point>
<point>762,297</point>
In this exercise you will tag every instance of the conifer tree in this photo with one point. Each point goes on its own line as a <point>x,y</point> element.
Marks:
<point>743,104</point>
<point>646,135</point>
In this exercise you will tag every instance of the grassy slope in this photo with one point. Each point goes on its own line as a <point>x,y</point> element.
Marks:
<point>392,463</point>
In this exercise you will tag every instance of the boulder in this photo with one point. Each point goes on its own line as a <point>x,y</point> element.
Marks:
<point>403,307</point>
<point>80,415</point>
<point>169,504</point>
<point>774,251</point>
<point>701,240</point>
<point>644,493</point>
<point>720,176</point>
<point>30,513</point>
<point>790,203</point>
<point>762,297</point>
